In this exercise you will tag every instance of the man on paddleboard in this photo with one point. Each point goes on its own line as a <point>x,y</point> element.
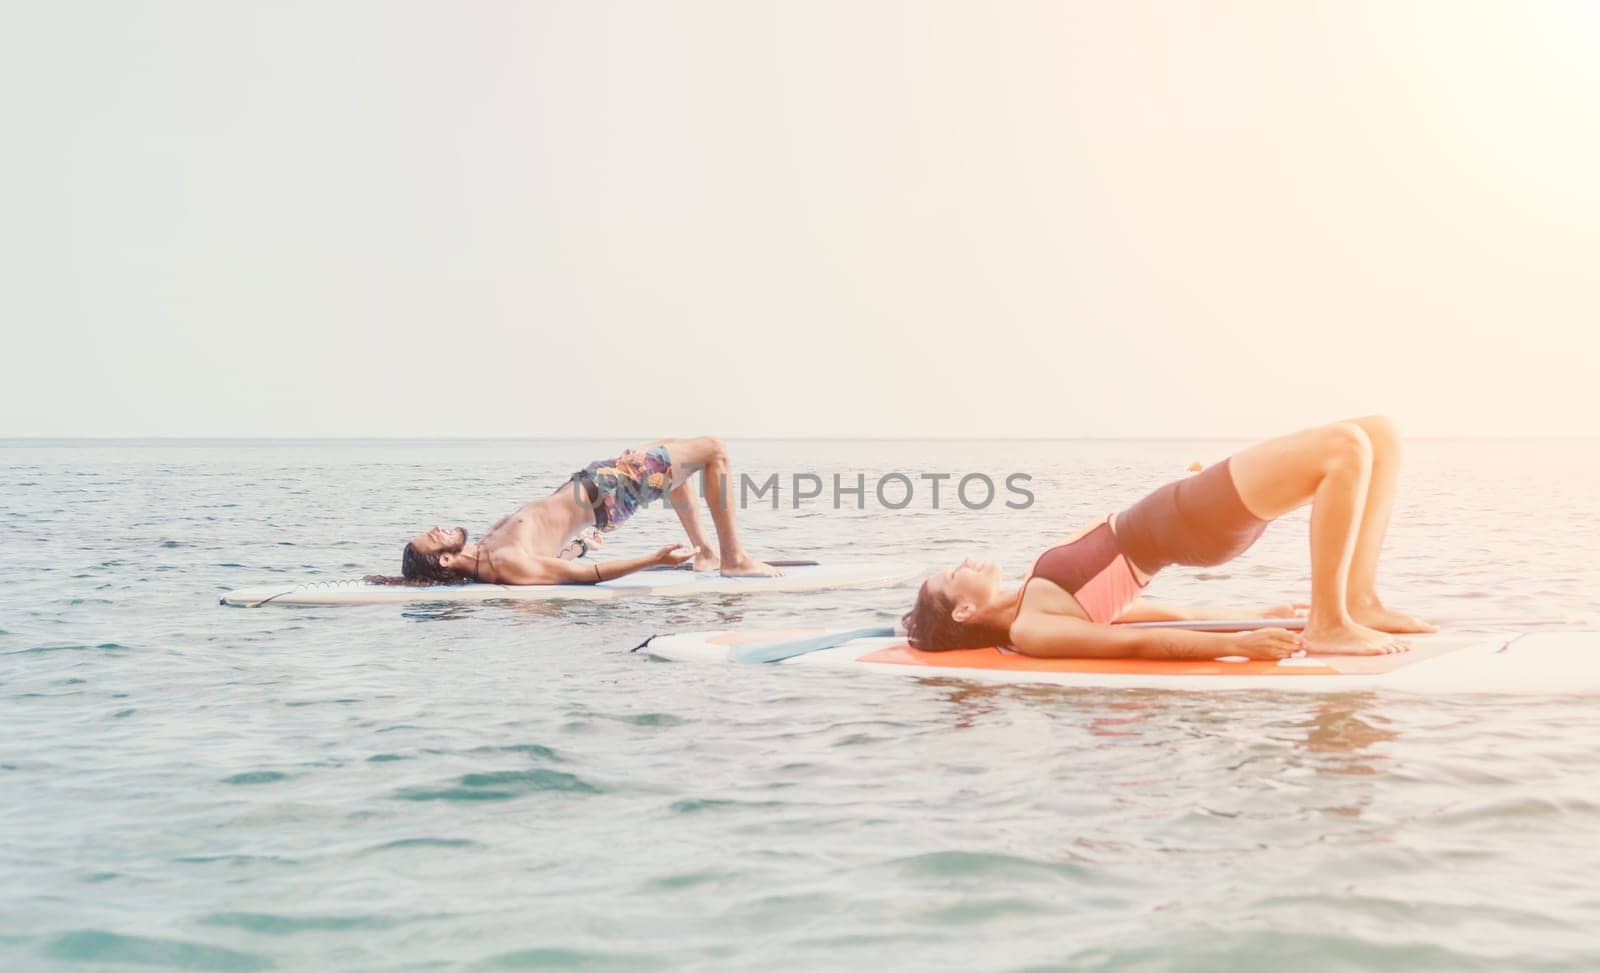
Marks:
<point>537,544</point>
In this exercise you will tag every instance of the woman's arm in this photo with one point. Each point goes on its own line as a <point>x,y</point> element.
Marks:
<point>1066,637</point>
<point>1145,610</point>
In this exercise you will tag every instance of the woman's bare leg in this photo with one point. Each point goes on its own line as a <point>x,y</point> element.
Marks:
<point>1365,606</point>
<point>1330,466</point>
<point>708,456</point>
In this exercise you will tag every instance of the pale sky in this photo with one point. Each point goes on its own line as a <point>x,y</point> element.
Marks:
<point>798,219</point>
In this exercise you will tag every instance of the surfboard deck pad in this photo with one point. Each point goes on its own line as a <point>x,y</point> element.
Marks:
<point>1495,662</point>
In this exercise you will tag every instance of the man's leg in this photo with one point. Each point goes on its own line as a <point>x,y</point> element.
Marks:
<point>1330,466</point>
<point>681,499</point>
<point>708,456</point>
<point>706,553</point>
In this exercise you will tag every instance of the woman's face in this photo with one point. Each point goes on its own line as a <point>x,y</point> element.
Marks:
<point>968,586</point>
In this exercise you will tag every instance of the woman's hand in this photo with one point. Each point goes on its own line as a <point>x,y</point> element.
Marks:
<point>1296,609</point>
<point>1267,643</point>
<point>674,554</point>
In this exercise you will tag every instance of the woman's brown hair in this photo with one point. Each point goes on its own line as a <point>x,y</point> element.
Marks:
<point>933,630</point>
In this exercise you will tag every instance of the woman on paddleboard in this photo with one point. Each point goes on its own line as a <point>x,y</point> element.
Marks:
<point>1066,606</point>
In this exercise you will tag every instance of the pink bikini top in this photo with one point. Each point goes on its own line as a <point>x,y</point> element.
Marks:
<point>1093,571</point>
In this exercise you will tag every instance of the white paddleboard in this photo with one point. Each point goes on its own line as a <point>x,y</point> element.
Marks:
<point>678,583</point>
<point>1509,662</point>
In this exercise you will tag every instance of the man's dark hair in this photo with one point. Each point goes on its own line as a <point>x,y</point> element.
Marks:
<point>419,570</point>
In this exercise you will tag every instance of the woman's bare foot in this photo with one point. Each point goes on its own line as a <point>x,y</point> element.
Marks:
<point>745,566</point>
<point>1387,620</point>
<point>1351,639</point>
<point>706,561</point>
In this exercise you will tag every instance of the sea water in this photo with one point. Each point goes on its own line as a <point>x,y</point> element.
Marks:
<point>502,786</point>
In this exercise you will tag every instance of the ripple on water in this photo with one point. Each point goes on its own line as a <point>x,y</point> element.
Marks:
<point>404,843</point>
<point>641,719</point>
<point>573,959</point>
<point>698,805</point>
<point>280,925</point>
<point>992,867</point>
<point>72,647</point>
<point>1229,950</point>
<point>256,777</point>
<point>538,750</point>
<point>686,880</point>
<point>503,785</point>
<point>99,946</point>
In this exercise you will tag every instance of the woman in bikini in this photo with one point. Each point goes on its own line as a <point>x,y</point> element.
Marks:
<point>1064,608</point>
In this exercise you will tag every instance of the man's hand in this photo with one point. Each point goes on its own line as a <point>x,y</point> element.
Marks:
<point>674,554</point>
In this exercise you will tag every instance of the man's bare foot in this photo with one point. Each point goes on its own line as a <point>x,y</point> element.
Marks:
<point>1387,620</point>
<point>747,567</point>
<point>1351,639</point>
<point>705,561</point>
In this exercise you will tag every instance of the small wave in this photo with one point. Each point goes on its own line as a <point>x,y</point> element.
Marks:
<point>714,804</point>
<point>635,719</point>
<point>72,647</point>
<point>422,843</point>
<point>571,959</point>
<point>1270,949</point>
<point>256,777</point>
<point>532,749</point>
<point>685,880</point>
<point>1527,811</point>
<point>989,866</point>
<point>985,910</point>
<point>98,946</point>
<point>503,786</point>
<point>235,860</point>
<point>276,925</point>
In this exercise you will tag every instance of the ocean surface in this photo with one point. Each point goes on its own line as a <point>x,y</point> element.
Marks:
<point>187,786</point>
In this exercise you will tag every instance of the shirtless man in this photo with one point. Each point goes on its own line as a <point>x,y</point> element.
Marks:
<point>534,545</point>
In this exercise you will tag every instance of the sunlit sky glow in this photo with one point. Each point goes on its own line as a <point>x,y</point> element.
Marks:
<point>798,219</point>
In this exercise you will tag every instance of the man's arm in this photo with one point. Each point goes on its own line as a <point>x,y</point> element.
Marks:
<point>550,570</point>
